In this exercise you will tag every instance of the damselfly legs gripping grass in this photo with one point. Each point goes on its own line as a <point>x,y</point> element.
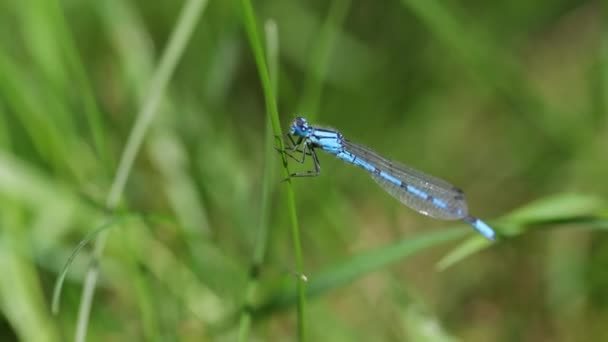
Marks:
<point>426,194</point>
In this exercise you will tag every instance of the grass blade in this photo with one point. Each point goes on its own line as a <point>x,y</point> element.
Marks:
<point>271,106</point>
<point>177,43</point>
<point>358,266</point>
<point>112,222</point>
<point>552,211</point>
<point>22,297</point>
<point>261,243</point>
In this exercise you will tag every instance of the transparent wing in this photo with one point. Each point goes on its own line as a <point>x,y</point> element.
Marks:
<point>453,206</point>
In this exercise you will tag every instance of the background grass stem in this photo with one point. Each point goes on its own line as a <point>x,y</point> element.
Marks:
<point>175,48</point>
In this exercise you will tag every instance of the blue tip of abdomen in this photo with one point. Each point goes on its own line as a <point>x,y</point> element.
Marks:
<point>481,227</point>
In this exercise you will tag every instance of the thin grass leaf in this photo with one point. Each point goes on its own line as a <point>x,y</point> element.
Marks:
<point>175,48</point>
<point>54,54</point>
<point>474,245</point>
<point>44,132</point>
<point>111,223</point>
<point>561,206</point>
<point>343,273</point>
<point>250,23</point>
<point>75,63</point>
<point>468,247</point>
<point>130,241</point>
<point>22,298</point>
<point>261,242</point>
<point>573,209</point>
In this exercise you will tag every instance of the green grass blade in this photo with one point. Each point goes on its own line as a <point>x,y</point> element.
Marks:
<point>111,223</point>
<point>561,206</point>
<point>571,208</point>
<point>271,105</point>
<point>468,247</point>
<point>53,51</point>
<point>175,48</point>
<point>261,242</point>
<point>358,266</point>
<point>91,110</point>
<point>47,137</point>
<point>22,297</point>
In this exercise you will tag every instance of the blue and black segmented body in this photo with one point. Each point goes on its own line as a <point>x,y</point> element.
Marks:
<point>426,194</point>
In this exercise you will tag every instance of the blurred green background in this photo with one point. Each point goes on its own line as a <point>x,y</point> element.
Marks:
<point>507,100</point>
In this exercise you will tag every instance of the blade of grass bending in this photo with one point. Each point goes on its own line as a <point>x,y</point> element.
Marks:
<point>250,23</point>
<point>477,244</point>
<point>568,208</point>
<point>560,206</point>
<point>177,42</point>
<point>360,265</point>
<point>261,243</point>
<point>113,222</point>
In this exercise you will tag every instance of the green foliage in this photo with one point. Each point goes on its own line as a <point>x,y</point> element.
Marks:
<point>137,145</point>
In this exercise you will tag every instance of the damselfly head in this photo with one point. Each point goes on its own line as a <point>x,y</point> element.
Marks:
<point>300,127</point>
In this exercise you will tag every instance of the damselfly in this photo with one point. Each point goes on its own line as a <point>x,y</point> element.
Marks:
<point>426,194</point>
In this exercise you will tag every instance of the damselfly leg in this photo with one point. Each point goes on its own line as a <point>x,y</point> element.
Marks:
<point>292,147</point>
<point>309,150</point>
